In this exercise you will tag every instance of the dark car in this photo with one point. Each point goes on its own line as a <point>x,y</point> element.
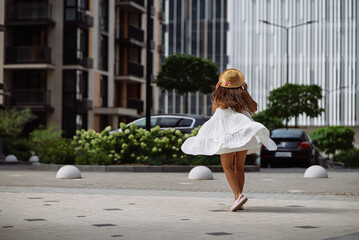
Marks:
<point>295,148</point>
<point>183,122</point>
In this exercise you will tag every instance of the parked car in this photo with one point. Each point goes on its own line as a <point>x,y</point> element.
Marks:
<point>295,149</point>
<point>183,122</point>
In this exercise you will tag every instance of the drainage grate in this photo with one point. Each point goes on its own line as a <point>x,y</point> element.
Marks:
<point>8,226</point>
<point>294,206</point>
<point>185,219</point>
<point>113,209</point>
<point>219,233</point>
<point>306,227</point>
<point>221,210</point>
<point>117,235</point>
<point>35,198</point>
<point>104,225</point>
<point>35,220</point>
<point>81,216</point>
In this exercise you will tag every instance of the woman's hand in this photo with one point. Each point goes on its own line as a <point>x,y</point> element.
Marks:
<point>214,107</point>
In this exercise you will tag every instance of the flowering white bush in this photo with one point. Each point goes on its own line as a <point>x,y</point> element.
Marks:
<point>131,145</point>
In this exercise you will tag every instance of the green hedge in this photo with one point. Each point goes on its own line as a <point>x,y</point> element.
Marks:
<point>350,158</point>
<point>129,146</point>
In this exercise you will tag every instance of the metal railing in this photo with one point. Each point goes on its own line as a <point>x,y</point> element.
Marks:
<point>139,2</point>
<point>133,69</point>
<point>132,32</point>
<point>32,11</point>
<point>28,54</point>
<point>31,97</point>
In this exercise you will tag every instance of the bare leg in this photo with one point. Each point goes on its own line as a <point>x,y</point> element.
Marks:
<point>239,168</point>
<point>227,164</point>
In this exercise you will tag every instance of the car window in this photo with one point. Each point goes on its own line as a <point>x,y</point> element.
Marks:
<point>307,137</point>
<point>141,123</point>
<point>167,122</point>
<point>185,122</point>
<point>286,134</point>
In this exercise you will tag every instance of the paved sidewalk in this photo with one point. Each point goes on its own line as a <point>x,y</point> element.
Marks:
<point>282,205</point>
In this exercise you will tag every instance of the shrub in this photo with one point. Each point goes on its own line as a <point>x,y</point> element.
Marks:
<point>350,158</point>
<point>12,122</point>
<point>42,134</point>
<point>20,147</point>
<point>136,145</point>
<point>56,151</point>
<point>84,157</point>
<point>97,143</point>
<point>330,139</point>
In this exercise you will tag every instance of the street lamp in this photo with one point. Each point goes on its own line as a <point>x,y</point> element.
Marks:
<point>287,31</point>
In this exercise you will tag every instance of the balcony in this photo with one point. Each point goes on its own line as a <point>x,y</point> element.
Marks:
<point>84,105</point>
<point>79,18</point>
<point>33,98</point>
<point>35,13</point>
<point>70,58</point>
<point>28,54</point>
<point>128,34</point>
<point>134,5</point>
<point>135,104</point>
<point>129,69</point>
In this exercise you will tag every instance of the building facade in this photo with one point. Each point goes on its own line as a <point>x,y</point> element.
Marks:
<point>199,28</point>
<point>76,64</point>
<point>322,45</point>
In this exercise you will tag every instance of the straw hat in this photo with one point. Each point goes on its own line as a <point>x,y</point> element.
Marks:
<point>231,78</point>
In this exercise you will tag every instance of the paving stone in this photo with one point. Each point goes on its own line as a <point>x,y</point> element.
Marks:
<point>156,206</point>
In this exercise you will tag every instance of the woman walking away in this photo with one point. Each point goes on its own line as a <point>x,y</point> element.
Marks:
<point>231,132</point>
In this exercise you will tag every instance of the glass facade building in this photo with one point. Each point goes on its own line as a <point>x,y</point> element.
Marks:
<point>199,28</point>
<point>322,45</point>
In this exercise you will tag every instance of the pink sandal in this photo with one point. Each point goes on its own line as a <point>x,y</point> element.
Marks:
<point>239,203</point>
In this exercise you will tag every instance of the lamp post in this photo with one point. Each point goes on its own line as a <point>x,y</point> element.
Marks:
<point>287,31</point>
<point>148,70</point>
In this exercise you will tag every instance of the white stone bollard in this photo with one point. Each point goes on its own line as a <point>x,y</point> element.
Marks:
<point>68,172</point>
<point>10,158</point>
<point>200,173</point>
<point>33,159</point>
<point>316,171</point>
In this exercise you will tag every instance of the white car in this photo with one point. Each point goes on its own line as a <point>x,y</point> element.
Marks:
<point>183,122</point>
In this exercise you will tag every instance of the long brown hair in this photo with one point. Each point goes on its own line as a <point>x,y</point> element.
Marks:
<point>236,98</point>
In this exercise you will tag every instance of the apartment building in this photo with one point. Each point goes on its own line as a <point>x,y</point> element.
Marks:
<point>76,64</point>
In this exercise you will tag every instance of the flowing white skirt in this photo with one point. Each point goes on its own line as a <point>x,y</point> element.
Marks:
<point>228,131</point>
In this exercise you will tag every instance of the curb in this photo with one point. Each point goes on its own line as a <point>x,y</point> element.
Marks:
<point>115,168</point>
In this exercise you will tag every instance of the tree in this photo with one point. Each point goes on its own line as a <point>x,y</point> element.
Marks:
<point>186,73</point>
<point>291,100</point>
<point>12,121</point>
<point>271,122</point>
<point>331,139</point>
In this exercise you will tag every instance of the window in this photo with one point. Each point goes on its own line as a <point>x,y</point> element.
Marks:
<point>141,123</point>
<point>104,15</point>
<point>104,91</point>
<point>75,45</point>
<point>103,53</point>
<point>168,122</point>
<point>75,87</point>
<point>184,122</point>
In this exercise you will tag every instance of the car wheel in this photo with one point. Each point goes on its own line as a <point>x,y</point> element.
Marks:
<point>264,163</point>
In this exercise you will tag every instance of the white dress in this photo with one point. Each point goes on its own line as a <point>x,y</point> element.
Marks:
<point>229,131</point>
